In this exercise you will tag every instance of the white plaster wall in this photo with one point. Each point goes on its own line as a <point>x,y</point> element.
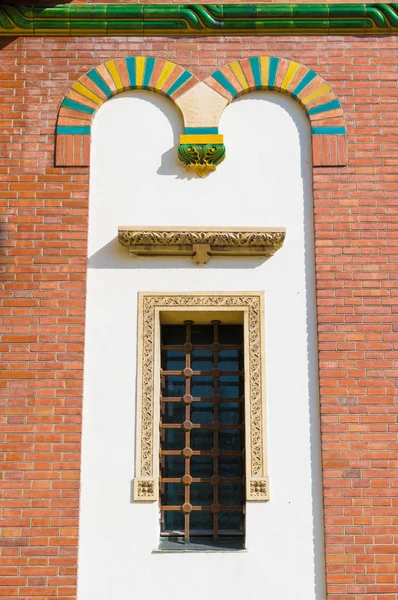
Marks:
<point>136,180</point>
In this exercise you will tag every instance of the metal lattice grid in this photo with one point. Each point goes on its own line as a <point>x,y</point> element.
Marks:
<point>202,430</point>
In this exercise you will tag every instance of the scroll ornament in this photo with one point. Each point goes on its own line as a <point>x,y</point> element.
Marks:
<point>201,158</point>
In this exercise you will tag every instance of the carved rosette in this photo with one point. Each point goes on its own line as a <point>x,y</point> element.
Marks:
<point>258,489</point>
<point>201,158</point>
<point>145,490</point>
<point>146,460</point>
<point>201,244</point>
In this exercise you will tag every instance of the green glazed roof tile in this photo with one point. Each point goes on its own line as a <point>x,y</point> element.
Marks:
<point>199,19</point>
<point>274,11</point>
<point>124,19</point>
<point>51,20</point>
<point>317,11</point>
<point>90,19</point>
<point>16,19</point>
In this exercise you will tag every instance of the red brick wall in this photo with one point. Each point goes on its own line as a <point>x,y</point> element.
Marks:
<point>44,234</point>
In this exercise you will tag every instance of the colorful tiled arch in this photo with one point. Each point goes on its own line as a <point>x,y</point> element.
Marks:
<point>201,104</point>
<point>304,85</point>
<point>98,85</point>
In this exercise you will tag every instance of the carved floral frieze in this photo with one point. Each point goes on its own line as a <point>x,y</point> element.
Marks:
<point>201,243</point>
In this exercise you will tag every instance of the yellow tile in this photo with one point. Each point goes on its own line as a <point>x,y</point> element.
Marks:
<point>140,67</point>
<point>114,73</point>
<point>79,87</point>
<point>237,71</point>
<point>292,68</point>
<point>167,70</point>
<point>264,66</point>
<point>205,138</point>
<point>320,91</point>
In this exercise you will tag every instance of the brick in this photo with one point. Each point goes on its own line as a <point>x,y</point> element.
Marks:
<point>45,210</point>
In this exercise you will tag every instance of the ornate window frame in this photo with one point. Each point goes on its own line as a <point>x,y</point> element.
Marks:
<point>247,306</point>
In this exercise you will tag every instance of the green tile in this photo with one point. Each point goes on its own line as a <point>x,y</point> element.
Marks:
<point>87,12</point>
<point>154,11</point>
<point>160,19</point>
<point>124,19</point>
<point>215,11</point>
<point>310,11</point>
<point>244,25</point>
<point>350,11</point>
<point>239,11</point>
<point>310,26</point>
<point>201,17</point>
<point>87,18</point>
<point>347,26</point>
<point>276,26</point>
<point>17,19</point>
<point>274,11</point>
<point>161,27</point>
<point>165,19</point>
<point>378,18</point>
<point>51,20</point>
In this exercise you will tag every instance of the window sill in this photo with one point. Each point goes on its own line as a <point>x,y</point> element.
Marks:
<point>177,545</point>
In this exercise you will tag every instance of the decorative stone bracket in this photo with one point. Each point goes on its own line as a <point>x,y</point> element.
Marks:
<point>201,243</point>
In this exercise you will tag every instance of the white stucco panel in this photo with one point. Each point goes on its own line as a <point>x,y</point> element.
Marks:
<point>265,181</point>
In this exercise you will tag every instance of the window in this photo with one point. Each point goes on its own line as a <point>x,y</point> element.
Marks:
<point>215,361</point>
<point>202,431</point>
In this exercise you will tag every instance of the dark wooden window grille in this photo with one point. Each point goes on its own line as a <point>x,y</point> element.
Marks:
<point>202,430</point>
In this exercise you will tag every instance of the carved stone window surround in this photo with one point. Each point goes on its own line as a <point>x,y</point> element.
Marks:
<point>247,307</point>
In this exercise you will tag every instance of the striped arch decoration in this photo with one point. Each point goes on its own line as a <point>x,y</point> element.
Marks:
<point>98,85</point>
<point>304,85</point>
<point>201,104</point>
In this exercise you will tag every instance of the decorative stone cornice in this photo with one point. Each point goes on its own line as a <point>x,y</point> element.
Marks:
<point>200,242</point>
<point>199,19</point>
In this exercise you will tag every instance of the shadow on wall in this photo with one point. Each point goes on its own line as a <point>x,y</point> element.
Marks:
<point>169,163</point>
<point>115,256</point>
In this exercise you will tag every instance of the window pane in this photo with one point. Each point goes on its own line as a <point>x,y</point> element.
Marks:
<point>201,520</point>
<point>229,439</point>
<point>174,386</point>
<point>174,360</point>
<point>231,520</point>
<point>202,494</point>
<point>230,466</point>
<point>174,466</point>
<point>202,386</point>
<point>202,413</point>
<point>173,335</point>
<point>174,412</point>
<point>173,494</point>
<point>229,386</point>
<point>230,413</point>
<point>202,334</point>
<point>174,439</point>
<point>228,360</point>
<point>230,494</point>
<point>202,466</point>
<point>202,360</point>
<point>173,520</point>
<point>202,439</point>
<point>230,334</point>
